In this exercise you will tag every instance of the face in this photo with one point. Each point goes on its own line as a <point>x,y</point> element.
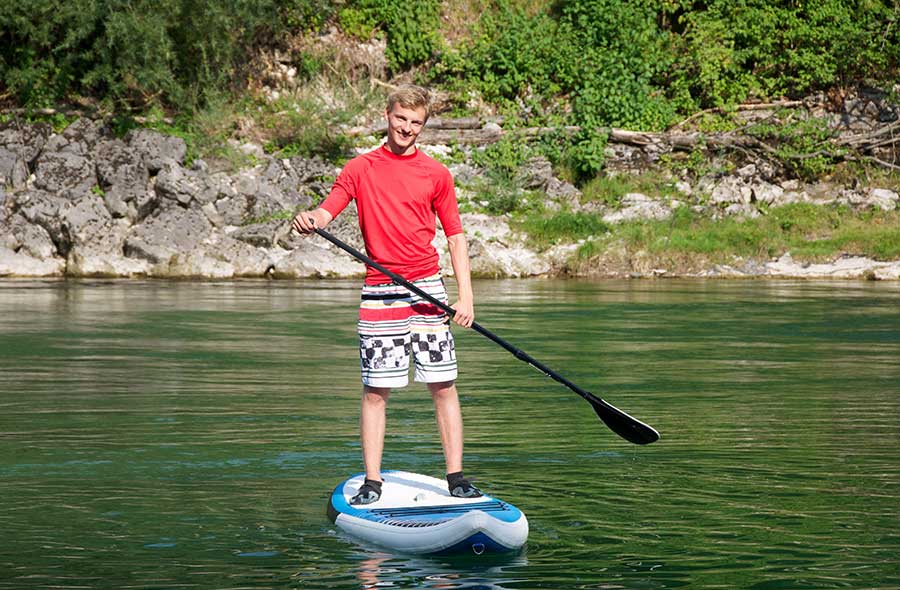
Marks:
<point>404,126</point>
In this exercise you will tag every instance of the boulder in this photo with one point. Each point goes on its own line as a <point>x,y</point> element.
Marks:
<point>731,190</point>
<point>638,206</point>
<point>26,141</point>
<point>17,264</point>
<point>538,174</point>
<point>244,259</point>
<point>28,238</point>
<point>171,233</point>
<point>66,173</point>
<point>80,137</point>
<point>177,184</point>
<point>122,167</point>
<point>315,173</point>
<point>263,199</point>
<point>494,249</point>
<point>766,192</point>
<point>289,181</point>
<point>884,199</point>
<point>263,234</point>
<point>316,258</point>
<point>845,267</point>
<point>46,210</point>
<point>13,169</point>
<point>96,241</point>
<point>156,148</point>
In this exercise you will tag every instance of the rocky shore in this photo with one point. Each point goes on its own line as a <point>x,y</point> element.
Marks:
<point>85,203</point>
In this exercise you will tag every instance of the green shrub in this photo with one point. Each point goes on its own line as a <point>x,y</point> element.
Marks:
<point>511,56</point>
<point>504,158</point>
<point>132,54</point>
<point>605,58</point>
<point>305,15</point>
<point>736,49</point>
<point>410,27</point>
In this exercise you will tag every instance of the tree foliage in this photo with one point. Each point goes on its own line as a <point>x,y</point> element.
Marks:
<point>639,64</point>
<point>134,53</point>
<point>643,64</point>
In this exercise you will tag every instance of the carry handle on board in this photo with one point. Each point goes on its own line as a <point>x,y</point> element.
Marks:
<point>628,427</point>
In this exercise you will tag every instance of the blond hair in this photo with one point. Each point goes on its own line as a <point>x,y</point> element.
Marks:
<point>410,96</point>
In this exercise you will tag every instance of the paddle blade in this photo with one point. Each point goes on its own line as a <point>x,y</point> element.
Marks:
<point>628,427</point>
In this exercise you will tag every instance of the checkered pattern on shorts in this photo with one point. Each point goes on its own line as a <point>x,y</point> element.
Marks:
<point>394,325</point>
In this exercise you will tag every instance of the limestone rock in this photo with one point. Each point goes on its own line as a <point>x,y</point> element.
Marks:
<point>171,233</point>
<point>313,258</point>
<point>156,148</point>
<point>638,206</point>
<point>17,264</point>
<point>65,172</point>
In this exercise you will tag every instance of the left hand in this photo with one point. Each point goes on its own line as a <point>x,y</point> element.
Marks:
<point>465,313</point>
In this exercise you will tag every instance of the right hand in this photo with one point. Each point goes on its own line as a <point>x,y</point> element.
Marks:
<point>305,222</point>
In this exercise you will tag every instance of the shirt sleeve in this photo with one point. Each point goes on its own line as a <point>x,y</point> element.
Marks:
<point>342,192</point>
<point>445,204</point>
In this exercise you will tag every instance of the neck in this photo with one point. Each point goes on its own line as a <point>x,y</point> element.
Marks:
<point>401,151</point>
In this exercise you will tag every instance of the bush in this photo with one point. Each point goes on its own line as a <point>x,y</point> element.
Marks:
<point>605,58</point>
<point>736,49</point>
<point>510,57</point>
<point>642,65</point>
<point>128,54</point>
<point>410,27</point>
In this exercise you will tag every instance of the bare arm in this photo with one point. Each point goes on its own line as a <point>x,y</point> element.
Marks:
<point>459,258</point>
<point>306,222</point>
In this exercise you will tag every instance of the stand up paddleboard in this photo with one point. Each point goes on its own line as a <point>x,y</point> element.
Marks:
<point>416,514</point>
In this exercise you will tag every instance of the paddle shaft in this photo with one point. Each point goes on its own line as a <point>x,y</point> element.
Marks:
<point>624,425</point>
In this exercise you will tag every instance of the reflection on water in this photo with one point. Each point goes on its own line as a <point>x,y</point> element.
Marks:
<point>178,434</point>
<point>379,570</point>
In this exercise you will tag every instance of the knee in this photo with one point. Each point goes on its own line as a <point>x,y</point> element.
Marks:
<point>375,395</point>
<point>443,389</point>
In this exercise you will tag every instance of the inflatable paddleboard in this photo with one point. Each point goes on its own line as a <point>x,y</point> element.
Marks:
<point>416,514</point>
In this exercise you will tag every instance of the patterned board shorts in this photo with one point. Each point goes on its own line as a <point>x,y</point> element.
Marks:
<point>395,324</point>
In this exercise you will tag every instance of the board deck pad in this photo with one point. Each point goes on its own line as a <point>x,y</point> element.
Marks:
<point>417,514</point>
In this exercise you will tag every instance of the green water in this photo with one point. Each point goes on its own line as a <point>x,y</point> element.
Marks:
<point>187,435</point>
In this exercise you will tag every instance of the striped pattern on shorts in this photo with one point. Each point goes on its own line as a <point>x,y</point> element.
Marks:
<point>394,325</point>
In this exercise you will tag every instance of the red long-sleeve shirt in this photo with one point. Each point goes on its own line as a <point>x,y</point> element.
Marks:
<point>397,198</point>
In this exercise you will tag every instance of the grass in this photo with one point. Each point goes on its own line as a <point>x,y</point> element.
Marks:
<point>609,190</point>
<point>809,232</point>
<point>560,227</point>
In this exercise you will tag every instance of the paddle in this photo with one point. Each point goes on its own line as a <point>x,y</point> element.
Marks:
<point>629,428</point>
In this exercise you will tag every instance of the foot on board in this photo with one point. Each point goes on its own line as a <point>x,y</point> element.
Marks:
<point>461,487</point>
<point>367,493</point>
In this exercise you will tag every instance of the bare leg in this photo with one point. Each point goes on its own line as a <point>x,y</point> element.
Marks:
<point>449,420</point>
<point>372,419</point>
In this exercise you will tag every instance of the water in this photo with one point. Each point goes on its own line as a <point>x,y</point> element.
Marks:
<point>187,435</point>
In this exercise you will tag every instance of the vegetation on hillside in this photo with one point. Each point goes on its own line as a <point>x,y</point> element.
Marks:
<point>629,63</point>
<point>213,70</point>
